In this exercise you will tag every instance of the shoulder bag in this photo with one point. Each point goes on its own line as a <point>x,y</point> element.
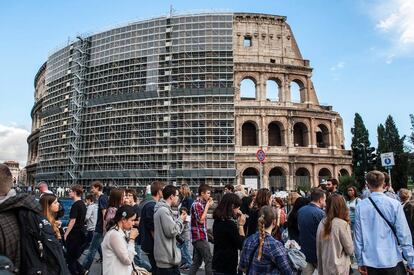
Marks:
<point>389,224</point>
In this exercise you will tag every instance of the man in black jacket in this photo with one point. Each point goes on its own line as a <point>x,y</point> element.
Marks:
<point>146,226</point>
<point>26,237</point>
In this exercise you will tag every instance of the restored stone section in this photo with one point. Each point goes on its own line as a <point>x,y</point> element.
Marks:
<point>309,141</point>
<point>36,114</point>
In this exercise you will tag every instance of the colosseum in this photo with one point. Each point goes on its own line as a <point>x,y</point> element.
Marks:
<point>184,99</point>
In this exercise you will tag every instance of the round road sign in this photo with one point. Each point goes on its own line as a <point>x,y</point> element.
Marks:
<point>260,155</point>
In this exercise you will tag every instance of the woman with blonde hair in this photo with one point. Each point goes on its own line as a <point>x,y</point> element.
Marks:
<point>263,254</point>
<point>334,245</point>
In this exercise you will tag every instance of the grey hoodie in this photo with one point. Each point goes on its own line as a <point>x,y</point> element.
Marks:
<point>166,228</point>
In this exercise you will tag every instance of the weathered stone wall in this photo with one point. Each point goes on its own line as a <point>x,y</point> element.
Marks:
<point>271,53</point>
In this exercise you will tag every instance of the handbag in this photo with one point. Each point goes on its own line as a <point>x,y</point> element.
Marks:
<point>389,224</point>
<point>136,270</point>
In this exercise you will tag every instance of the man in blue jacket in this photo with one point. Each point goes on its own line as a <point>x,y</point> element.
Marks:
<point>309,218</point>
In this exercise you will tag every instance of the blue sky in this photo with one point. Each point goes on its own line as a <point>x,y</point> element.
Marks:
<point>362,52</point>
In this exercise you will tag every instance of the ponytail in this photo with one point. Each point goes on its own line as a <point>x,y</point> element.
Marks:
<point>262,236</point>
<point>266,218</point>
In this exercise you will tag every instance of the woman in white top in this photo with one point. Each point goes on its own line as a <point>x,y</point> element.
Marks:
<point>118,246</point>
<point>352,201</point>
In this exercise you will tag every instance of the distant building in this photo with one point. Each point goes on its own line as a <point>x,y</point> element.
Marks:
<point>22,180</point>
<point>14,169</point>
<point>165,99</point>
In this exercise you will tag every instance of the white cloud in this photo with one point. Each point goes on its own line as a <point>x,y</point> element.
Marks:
<point>338,66</point>
<point>13,144</point>
<point>395,19</point>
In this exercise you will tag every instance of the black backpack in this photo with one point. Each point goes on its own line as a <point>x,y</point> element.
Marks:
<point>41,251</point>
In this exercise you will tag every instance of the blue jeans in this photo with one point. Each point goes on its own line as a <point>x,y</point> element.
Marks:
<point>139,261</point>
<point>185,253</point>
<point>95,245</point>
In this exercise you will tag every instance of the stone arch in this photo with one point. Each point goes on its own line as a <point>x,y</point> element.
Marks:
<point>273,89</point>
<point>277,179</point>
<point>300,135</point>
<point>343,172</point>
<point>302,178</point>
<point>297,91</point>
<point>248,88</point>
<point>324,174</point>
<point>322,136</point>
<point>275,134</point>
<point>249,134</point>
<point>251,177</point>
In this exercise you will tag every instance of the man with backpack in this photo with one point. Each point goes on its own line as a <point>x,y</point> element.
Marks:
<point>26,237</point>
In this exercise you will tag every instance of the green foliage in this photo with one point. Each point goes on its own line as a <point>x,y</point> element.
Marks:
<point>381,144</point>
<point>390,141</point>
<point>360,139</point>
<point>412,129</point>
<point>345,182</point>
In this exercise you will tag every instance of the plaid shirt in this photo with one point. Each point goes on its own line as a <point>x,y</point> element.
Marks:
<point>198,230</point>
<point>9,225</point>
<point>274,256</point>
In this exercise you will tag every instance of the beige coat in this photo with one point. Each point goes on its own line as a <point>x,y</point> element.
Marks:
<point>334,252</point>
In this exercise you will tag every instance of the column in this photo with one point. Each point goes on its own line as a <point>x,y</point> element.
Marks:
<point>313,134</point>
<point>237,131</point>
<point>333,134</point>
<point>287,89</point>
<point>263,132</point>
<point>315,181</point>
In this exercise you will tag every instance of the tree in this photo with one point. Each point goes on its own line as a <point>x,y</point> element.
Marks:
<point>412,128</point>
<point>360,139</point>
<point>394,143</point>
<point>381,148</point>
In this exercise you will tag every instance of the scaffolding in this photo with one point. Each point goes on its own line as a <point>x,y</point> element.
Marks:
<point>148,101</point>
<point>79,56</point>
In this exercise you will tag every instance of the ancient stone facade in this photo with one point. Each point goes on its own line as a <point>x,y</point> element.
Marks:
<point>33,138</point>
<point>165,99</point>
<point>303,140</point>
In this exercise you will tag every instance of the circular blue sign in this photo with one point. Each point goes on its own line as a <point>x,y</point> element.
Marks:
<point>260,155</point>
<point>387,161</point>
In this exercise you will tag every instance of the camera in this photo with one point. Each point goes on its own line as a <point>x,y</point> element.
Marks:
<point>179,239</point>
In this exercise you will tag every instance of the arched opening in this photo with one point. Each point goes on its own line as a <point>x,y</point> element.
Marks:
<point>277,179</point>
<point>248,89</point>
<point>273,91</point>
<point>302,178</point>
<point>251,178</point>
<point>249,134</point>
<point>324,174</point>
<point>300,135</point>
<point>322,136</point>
<point>343,172</point>
<point>275,134</point>
<point>296,91</point>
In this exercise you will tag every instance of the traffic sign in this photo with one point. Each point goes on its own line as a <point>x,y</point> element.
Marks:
<point>261,155</point>
<point>387,159</point>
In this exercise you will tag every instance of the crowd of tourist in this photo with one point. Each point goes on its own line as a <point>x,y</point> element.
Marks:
<point>251,233</point>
